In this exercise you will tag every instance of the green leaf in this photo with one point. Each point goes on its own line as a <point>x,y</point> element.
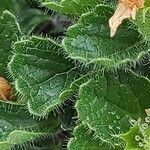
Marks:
<point>89,40</point>
<point>129,137</point>
<point>12,5</point>
<point>9,33</point>
<point>143,65</point>
<point>75,7</point>
<point>107,104</point>
<point>42,74</point>
<point>18,137</point>
<point>137,83</point>
<point>28,15</point>
<point>84,139</point>
<point>18,127</point>
<point>143,22</point>
<point>137,138</point>
<point>30,18</point>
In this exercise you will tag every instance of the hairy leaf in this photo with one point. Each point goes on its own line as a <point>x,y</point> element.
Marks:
<point>12,5</point>
<point>17,127</point>
<point>107,104</point>
<point>42,74</point>
<point>143,22</point>
<point>84,139</point>
<point>9,33</point>
<point>30,18</point>
<point>89,40</point>
<point>76,7</point>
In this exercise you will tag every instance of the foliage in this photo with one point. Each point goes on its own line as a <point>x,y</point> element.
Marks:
<point>71,81</point>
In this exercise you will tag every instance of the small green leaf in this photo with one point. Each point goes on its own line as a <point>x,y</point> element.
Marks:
<point>28,15</point>
<point>18,137</point>
<point>12,5</point>
<point>84,139</point>
<point>42,74</point>
<point>107,104</point>
<point>18,127</point>
<point>76,7</point>
<point>89,40</point>
<point>129,137</point>
<point>9,33</point>
<point>30,18</point>
<point>137,83</point>
<point>137,138</point>
<point>143,22</point>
